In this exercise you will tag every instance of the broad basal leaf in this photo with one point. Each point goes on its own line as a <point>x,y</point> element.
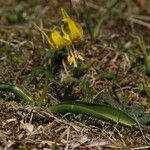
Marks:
<point>103,112</point>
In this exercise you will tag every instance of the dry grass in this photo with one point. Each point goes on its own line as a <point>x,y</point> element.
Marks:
<point>35,128</point>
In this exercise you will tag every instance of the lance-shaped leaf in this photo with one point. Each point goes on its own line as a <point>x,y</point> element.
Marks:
<point>17,91</point>
<point>103,112</point>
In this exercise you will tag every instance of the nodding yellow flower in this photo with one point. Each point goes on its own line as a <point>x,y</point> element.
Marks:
<point>55,40</point>
<point>58,41</point>
<point>71,29</point>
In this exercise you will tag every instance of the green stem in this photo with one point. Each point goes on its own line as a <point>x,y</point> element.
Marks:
<point>74,50</point>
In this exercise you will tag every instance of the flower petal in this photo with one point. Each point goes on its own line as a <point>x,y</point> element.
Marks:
<point>55,40</point>
<point>45,36</point>
<point>58,41</point>
<point>70,27</point>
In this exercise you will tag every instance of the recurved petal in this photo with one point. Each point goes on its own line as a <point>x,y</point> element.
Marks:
<point>71,27</point>
<point>76,31</point>
<point>58,41</point>
<point>73,30</point>
<point>64,14</point>
<point>45,35</point>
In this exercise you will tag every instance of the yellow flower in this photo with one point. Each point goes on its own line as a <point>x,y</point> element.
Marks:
<point>71,29</point>
<point>58,41</point>
<point>55,40</point>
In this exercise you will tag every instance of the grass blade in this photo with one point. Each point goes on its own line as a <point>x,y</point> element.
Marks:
<point>105,17</point>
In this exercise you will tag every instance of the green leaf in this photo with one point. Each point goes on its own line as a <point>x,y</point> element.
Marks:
<point>103,112</point>
<point>17,91</point>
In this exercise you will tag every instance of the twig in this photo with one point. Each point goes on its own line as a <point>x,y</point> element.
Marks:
<point>6,42</point>
<point>65,68</point>
<point>140,22</point>
<point>140,148</point>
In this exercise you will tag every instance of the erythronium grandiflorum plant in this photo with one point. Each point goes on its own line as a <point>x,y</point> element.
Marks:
<point>71,33</point>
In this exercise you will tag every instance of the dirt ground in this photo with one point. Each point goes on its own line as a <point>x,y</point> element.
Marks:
<point>116,70</point>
